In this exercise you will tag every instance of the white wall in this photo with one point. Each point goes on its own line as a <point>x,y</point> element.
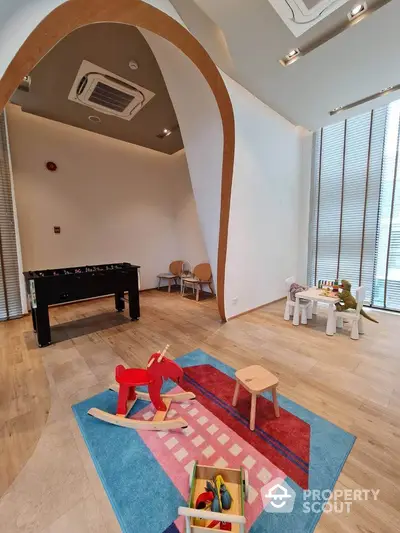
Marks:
<point>191,244</point>
<point>306,146</point>
<point>268,227</point>
<point>207,33</point>
<point>263,239</point>
<point>167,7</point>
<point>114,201</point>
<point>201,126</point>
<point>22,285</point>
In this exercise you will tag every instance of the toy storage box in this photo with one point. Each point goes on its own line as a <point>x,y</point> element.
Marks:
<point>236,483</point>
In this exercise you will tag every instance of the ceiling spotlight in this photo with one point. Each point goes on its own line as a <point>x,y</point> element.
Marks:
<point>357,11</point>
<point>389,90</point>
<point>25,84</point>
<point>94,118</point>
<point>290,57</point>
<point>336,110</point>
<point>165,132</point>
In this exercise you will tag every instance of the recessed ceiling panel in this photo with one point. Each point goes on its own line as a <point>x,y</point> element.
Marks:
<point>114,64</point>
<point>301,15</point>
<point>108,93</point>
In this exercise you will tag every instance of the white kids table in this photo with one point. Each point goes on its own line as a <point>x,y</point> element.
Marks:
<point>316,295</point>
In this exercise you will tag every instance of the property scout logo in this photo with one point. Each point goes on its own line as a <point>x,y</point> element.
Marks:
<point>279,497</point>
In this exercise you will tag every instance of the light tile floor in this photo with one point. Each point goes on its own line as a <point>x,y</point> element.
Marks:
<point>58,490</point>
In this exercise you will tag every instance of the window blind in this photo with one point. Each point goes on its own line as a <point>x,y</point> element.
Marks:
<point>387,252</point>
<point>10,298</point>
<point>355,201</point>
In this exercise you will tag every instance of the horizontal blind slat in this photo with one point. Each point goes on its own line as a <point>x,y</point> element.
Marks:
<point>352,205</point>
<point>355,176</point>
<point>330,200</point>
<point>10,297</point>
<point>393,256</point>
<point>382,250</point>
<point>314,203</point>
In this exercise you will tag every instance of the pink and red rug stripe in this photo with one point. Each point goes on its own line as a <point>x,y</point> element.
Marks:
<point>284,440</point>
<point>211,442</point>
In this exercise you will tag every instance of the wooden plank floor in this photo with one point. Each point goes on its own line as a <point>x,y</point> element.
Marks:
<point>354,384</point>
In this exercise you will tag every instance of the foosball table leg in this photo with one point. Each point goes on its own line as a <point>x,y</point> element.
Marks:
<point>119,301</point>
<point>33,312</point>
<point>134,309</point>
<point>42,325</point>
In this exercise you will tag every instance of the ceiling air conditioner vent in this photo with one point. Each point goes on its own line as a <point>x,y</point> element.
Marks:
<point>108,93</point>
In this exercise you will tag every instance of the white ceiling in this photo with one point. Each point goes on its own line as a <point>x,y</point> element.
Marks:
<point>359,62</point>
<point>301,15</point>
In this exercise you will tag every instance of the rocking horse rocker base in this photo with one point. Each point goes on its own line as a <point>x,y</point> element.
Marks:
<point>159,368</point>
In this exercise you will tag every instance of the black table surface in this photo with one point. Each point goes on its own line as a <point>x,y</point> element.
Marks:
<point>87,269</point>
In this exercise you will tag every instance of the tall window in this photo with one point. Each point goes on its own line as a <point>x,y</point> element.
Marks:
<point>355,219</point>
<point>10,298</point>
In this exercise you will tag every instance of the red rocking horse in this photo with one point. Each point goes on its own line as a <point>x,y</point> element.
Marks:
<point>158,368</point>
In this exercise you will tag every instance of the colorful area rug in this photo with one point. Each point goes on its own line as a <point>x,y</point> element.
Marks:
<point>146,474</point>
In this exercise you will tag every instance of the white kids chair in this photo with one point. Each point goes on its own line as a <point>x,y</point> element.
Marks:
<point>353,316</point>
<point>305,308</point>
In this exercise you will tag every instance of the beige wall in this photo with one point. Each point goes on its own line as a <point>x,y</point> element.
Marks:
<point>114,201</point>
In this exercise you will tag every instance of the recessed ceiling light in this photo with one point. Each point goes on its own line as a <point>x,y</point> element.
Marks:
<point>389,90</point>
<point>357,11</point>
<point>165,132</point>
<point>290,57</point>
<point>133,65</point>
<point>95,119</point>
<point>25,84</point>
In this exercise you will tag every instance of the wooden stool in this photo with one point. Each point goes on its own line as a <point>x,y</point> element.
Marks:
<point>256,380</point>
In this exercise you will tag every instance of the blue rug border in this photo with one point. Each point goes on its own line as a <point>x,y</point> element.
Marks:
<point>194,358</point>
<point>111,398</point>
<point>98,467</point>
<point>321,439</point>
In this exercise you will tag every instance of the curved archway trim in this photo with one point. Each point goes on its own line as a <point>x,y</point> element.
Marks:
<point>76,13</point>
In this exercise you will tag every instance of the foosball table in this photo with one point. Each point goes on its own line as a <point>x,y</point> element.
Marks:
<point>49,287</point>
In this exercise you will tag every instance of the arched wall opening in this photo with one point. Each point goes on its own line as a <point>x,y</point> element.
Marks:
<point>209,146</point>
<point>202,132</point>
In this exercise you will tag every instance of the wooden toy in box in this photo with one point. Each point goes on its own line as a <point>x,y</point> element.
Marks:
<point>233,520</point>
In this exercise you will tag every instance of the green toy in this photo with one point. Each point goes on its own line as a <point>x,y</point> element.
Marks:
<point>349,302</point>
